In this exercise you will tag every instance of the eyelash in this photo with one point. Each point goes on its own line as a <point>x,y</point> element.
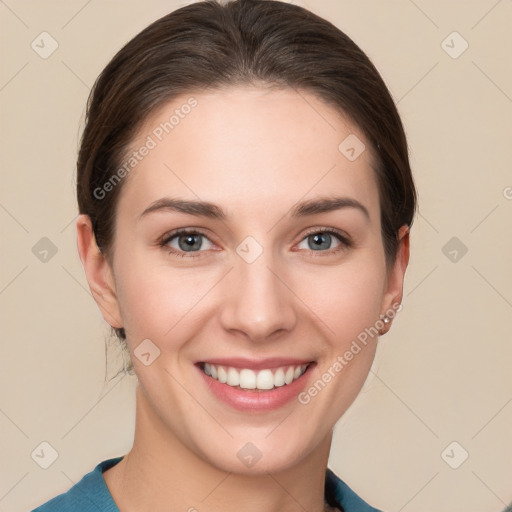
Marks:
<point>344,240</point>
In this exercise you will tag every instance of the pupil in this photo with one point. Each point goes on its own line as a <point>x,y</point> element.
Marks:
<point>319,238</point>
<point>190,242</point>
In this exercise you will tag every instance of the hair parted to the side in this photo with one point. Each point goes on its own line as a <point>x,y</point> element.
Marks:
<point>210,45</point>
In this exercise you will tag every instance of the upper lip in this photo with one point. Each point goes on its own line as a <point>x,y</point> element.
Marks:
<point>256,364</point>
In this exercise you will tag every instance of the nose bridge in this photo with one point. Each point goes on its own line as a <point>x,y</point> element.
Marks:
<point>257,302</point>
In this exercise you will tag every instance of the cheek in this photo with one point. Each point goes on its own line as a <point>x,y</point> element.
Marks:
<point>162,302</point>
<point>157,300</point>
<point>346,299</point>
<point>347,302</point>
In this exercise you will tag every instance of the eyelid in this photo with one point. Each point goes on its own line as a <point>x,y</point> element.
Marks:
<point>343,236</point>
<point>344,239</point>
<point>165,238</point>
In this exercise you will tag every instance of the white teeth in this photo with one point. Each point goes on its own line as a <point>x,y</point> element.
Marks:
<point>289,375</point>
<point>233,377</point>
<point>247,379</point>
<point>222,375</point>
<point>279,378</point>
<point>250,379</point>
<point>265,380</point>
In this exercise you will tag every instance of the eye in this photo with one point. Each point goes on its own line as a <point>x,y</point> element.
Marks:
<point>186,241</point>
<point>322,240</point>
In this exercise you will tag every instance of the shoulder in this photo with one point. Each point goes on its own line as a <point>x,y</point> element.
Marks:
<point>344,496</point>
<point>89,494</point>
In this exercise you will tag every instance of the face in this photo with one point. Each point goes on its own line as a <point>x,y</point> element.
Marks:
<point>246,239</point>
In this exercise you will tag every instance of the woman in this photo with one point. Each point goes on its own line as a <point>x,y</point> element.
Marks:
<point>245,203</point>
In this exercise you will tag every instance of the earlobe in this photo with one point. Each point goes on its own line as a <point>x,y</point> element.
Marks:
<point>98,272</point>
<point>393,297</point>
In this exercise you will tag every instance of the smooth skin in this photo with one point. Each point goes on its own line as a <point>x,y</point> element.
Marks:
<point>256,153</point>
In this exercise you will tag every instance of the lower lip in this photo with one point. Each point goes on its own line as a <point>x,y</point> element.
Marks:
<point>253,400</point>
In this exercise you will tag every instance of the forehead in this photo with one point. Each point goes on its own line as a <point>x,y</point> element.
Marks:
<point>243,146</point>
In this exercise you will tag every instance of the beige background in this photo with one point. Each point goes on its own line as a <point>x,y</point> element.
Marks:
<point>443,374</point>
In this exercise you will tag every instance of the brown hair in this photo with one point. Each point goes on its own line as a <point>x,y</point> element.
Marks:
<point>207,45</point>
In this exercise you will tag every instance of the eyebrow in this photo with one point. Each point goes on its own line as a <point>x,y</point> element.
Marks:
<point>213,211</point>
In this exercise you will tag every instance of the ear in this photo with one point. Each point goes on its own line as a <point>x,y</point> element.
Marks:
<point>98,272</point>
<point>394,288</point>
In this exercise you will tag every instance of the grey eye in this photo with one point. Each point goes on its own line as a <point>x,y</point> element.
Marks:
<point>189,242</point>
<point>321,240</point>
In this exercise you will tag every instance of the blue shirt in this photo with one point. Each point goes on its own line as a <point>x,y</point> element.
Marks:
<point>91,494</point>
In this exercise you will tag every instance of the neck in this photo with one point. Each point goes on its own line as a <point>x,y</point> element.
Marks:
<point>160,472</point>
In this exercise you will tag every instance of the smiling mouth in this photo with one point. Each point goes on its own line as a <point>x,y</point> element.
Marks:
<point>258,380</point>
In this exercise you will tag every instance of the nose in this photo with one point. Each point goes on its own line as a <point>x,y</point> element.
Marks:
<point>257,301</point>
